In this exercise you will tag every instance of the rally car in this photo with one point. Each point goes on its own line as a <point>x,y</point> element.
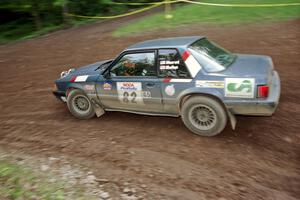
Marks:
<point>190,77</point>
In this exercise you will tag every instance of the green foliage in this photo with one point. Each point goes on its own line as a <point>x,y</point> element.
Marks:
<point>60,2</point>
<point>22,19</point>
<point>17,182</point>
<point>186,14</point>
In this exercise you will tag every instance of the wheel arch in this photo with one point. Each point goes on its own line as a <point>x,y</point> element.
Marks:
<point>98,107</point>
<point>74,87</point>
<point>230,115</point>
<point>185,97</point>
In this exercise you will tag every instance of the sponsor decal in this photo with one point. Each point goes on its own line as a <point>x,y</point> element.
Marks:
<point>146,94</point>
<point>170,90</point>
<point>79,78</point>
<point>168,65</point>
<point>191,63</point>
<point>130,92</point>
<point>89,87</point>
<point>144,72</point>
<point>209,84</point>
<point>239,87</point>
<point>107,86</point>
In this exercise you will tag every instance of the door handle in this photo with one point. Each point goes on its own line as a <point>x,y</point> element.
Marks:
<point>150,85</point>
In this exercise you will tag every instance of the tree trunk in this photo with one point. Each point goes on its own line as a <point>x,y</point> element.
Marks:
<point>36,14</point>
<point>65,10</point>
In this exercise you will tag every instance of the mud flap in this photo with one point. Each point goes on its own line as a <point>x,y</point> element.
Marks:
<point>97,106</point>
<point>98,110</point>
<point>232,119</point>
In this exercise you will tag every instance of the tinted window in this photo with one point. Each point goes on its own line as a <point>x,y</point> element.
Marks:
<point>135,64</point>
<point>171,64</point>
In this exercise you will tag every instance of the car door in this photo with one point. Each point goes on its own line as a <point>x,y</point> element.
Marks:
<point>175,78</point>
<point>132,84</point>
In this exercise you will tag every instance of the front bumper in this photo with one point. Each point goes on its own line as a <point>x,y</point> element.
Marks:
<point>261,107</point>
<point>60,95</point>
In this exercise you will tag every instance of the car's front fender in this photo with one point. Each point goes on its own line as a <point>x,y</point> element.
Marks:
<point>72,86</point>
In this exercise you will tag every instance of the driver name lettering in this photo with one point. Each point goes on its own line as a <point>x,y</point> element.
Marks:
<point>169,65</point>
<point>168,62</point>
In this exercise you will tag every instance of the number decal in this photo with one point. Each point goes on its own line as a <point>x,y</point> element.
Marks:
<point>133,95</point>
<point>130,92</point>
<point>125,97</point>
<point>129,98</point>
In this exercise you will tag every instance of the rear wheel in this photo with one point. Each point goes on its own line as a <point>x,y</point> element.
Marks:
<point>204,116</point>
<point>80,105</point>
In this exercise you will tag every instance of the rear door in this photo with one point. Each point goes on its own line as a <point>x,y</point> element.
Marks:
<point>133,84</point>
<point>175,78</point>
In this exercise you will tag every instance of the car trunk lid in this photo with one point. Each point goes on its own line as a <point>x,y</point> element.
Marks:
<point>253,66</point>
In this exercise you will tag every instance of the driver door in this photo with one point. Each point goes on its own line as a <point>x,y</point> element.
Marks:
<point>132,84</point>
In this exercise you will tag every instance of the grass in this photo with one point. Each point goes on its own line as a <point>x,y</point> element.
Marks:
<point>183,15</point>
<point>17,182</point>
<point>186,14</point>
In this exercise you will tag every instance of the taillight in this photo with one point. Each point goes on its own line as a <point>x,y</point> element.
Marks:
<point>263,91</point>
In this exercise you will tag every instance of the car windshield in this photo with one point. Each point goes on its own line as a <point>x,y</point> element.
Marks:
<point>212,57</point>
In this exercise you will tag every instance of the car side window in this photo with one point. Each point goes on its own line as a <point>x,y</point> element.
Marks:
<point>135,64</point>
<point>171,64</point>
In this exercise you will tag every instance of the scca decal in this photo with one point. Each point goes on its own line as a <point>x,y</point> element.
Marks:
<point>170,90</point>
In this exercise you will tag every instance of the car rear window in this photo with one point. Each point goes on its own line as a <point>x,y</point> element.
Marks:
<point>213,57</point>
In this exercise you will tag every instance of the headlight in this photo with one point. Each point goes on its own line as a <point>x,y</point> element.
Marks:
<point>63,74</point>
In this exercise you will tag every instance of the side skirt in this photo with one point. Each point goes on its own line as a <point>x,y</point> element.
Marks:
<point>141,113</point>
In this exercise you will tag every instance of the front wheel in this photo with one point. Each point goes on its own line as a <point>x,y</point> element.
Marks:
<point>80,105</point>
<point>204,116</point>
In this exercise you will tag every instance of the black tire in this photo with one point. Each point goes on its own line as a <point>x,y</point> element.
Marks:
<point>204,116</point>
<point>80,105</point>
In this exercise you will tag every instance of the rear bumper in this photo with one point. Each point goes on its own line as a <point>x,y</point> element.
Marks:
<point>261,107</point>
<point>60,95</point>
<point>268,106</point>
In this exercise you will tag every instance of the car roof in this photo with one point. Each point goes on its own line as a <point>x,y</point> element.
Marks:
<point>174,42</point>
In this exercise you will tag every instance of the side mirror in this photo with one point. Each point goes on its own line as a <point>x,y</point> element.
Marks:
<point>107,75</point>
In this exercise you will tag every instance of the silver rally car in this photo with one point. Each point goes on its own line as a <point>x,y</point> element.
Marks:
<point>190,77</point>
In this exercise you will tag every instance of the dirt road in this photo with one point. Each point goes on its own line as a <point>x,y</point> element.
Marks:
<point>260,160</point>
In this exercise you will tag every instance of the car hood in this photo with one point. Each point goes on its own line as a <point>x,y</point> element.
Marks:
<point>89,69</point>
